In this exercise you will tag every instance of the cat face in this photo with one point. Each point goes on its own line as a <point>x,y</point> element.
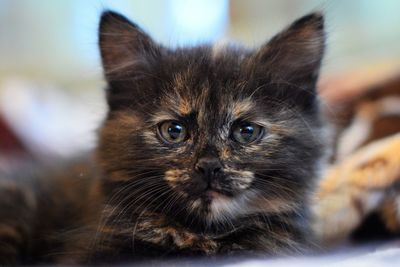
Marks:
<point>207,134</point>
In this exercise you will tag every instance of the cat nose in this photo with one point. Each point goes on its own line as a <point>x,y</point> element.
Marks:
<point>208,166</point>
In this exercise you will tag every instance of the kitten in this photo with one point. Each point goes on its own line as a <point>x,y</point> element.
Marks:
<point>204,151</point>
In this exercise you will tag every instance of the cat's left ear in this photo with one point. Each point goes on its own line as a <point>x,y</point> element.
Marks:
<point>125,48</point>
<point>293,57</point>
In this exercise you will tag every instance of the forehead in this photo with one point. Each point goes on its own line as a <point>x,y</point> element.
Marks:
<point>207,81</point>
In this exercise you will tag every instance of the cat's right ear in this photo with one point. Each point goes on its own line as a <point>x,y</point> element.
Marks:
<point>292,60</point>
<point>124,47</point>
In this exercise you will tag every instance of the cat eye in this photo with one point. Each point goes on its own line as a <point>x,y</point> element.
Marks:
<point>172,132</point>
<point>247,132</point>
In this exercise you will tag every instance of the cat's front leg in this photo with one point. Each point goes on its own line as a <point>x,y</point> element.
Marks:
<point>10,245</point>
<point>17,207</point>
<point>149,237</point>
<point>171,238</point>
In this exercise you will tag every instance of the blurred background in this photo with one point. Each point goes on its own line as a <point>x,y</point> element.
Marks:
<point>51,85</point>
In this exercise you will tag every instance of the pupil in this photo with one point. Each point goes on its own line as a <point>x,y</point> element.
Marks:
<point>174,130</point>
<point>247,132</point>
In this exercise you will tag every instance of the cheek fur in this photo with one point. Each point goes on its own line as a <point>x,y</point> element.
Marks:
<point>150,137</point>
<point>176,177</point>
<point>240,180</point>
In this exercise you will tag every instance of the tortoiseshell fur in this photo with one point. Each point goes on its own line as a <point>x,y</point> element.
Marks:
<point>141,197</point>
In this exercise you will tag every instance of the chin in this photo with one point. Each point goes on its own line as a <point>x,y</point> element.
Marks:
<point>219,208</point>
